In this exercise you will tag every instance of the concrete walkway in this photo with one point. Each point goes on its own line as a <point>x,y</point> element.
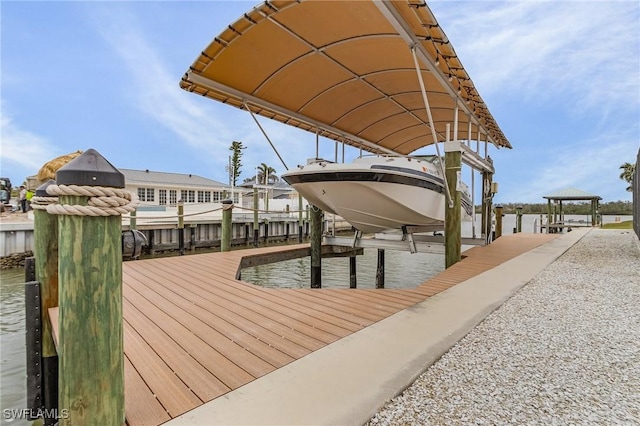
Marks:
<point>346,382</point>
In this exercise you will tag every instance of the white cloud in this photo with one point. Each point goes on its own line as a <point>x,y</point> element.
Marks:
<point>155,90</point>
<point>21,149</point>
<point>585,53</point>
<point>591,165</point>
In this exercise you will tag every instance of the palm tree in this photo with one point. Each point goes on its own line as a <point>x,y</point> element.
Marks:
<point>628,172</point>
<point>266,174</point>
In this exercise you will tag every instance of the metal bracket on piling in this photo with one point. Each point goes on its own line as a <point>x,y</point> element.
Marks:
<point>356,238</point>
<point>33,339</point>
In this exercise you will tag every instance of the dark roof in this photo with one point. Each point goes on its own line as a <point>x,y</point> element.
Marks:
<point>138,177</point>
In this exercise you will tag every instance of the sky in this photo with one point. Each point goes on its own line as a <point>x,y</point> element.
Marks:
<point>562,79</point>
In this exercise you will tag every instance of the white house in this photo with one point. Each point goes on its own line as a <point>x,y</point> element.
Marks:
<point>165,189</point>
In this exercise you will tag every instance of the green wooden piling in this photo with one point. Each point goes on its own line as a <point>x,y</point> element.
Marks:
<point>256,225</point>
<point>91,368</point>
<point>133,223</point>
<point>192,237</point>
<point>453,212</point>
<point>45,250</point>
<point>181,226</point>
<point>227,214</point>
<point>316,250</point>
<point>519,219</point>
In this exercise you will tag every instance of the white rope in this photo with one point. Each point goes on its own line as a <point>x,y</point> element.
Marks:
<point>173,216</point>
<point>268,211</point>
<point>40,203</point>
<point>103,201</point>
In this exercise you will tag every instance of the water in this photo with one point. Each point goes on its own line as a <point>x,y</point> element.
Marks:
<point>403,270</point>
<point>13,371</point>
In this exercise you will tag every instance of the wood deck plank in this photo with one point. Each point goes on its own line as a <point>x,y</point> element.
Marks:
<point>230,373</point>
<point>171,392</point>
<point>198,379</point>
<point>219,333</point>
<point>289,301</point>
<point>248,332</point>
<point>252,361</point>
<point>284,326</point>
<point>141,406</point>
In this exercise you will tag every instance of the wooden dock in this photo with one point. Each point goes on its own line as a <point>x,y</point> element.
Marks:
<point>193,332</point>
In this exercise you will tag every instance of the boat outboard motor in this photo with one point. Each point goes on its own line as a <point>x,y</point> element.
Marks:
<point>132,242</point>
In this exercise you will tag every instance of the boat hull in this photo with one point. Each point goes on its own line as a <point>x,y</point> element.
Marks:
<point>376,206</point>
<point>377,194</point>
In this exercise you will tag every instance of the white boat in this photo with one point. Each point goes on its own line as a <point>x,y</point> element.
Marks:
<point>377,194</point>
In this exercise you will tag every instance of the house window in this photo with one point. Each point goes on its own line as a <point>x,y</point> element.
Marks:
<point>201,196</point>
<point>191,196</point>
<point>216,197</point>
<point>207,196</point>
<point>146,194</point>
<point>236,198</point>
<point>162,196</point>
<point>173,197</point>
<point>183,195</point>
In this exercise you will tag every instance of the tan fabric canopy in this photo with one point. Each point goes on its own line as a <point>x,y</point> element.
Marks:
<point>346,70</point>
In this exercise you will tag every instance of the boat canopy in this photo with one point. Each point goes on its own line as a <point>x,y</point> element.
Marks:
<point>348,71</point>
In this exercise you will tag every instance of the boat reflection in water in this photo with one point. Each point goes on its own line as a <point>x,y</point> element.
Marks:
<point>380,193</point>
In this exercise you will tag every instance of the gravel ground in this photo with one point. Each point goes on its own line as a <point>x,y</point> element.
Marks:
<point>564,350</point>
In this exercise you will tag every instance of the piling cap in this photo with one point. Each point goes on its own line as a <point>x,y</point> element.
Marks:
<point>227,201</point>
<point>90,169</point>
<point>41,191</point>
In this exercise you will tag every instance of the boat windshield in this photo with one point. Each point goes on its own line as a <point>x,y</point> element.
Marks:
<point>433,159</point>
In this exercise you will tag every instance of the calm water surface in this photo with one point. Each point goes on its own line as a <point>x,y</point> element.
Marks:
<point>13,374</point>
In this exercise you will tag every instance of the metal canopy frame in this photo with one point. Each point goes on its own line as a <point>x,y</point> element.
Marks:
<point>276,27</point>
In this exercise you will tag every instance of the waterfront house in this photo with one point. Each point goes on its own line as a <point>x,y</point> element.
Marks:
<point>165,189</point>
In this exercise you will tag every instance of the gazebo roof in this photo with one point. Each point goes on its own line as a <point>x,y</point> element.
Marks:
<point>571,194</point>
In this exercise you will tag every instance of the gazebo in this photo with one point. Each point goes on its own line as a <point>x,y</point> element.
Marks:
<point>570,194</point>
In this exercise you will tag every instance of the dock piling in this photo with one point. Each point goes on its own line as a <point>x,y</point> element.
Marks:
<point>316,250</point>
<point>45,229</point>
<point>380,269</point>
<point>91,369</point>
<point>498,221</point>
<point>353,283</point>
<point>181,226</point>
<point>256,224</point>
<point>227,215</point>
<point>453,212</point>
<point>300,219</point>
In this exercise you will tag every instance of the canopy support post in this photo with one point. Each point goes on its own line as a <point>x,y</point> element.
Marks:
<point>473,187</point>
<point>265,135</point>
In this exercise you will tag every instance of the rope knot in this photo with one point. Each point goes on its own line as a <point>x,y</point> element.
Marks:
<point>103,201</point>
